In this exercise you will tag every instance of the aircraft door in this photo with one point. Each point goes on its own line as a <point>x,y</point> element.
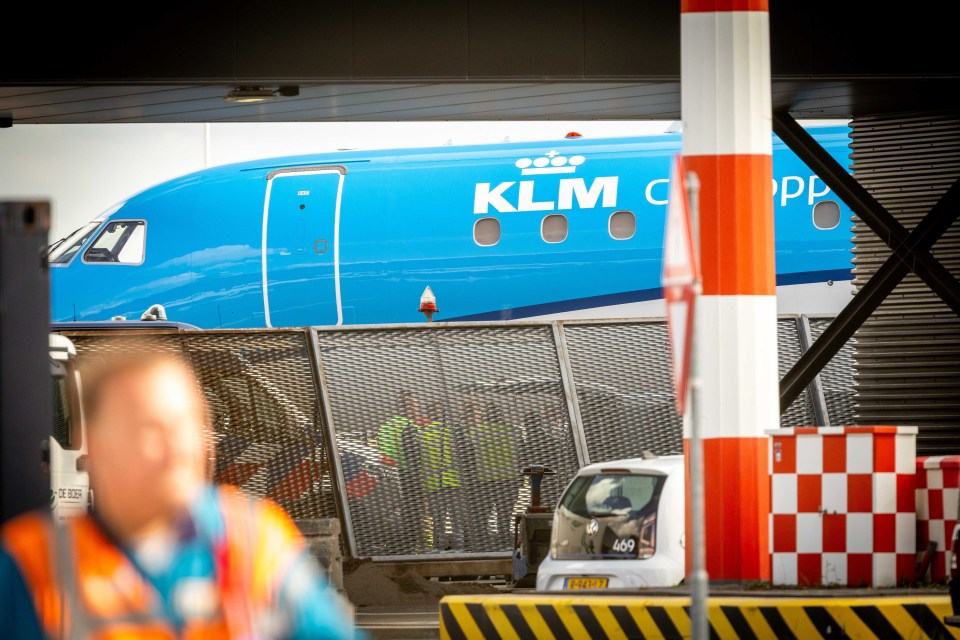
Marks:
<point>301,272</point>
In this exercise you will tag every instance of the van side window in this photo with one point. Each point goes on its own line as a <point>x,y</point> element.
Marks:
<point>120,242</point>
<point>826,214</point>
<point>486,232</point>
<point>623,224</point>
<point>554,228</point>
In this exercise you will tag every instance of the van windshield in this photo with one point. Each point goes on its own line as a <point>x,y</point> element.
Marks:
<point>608,516</point>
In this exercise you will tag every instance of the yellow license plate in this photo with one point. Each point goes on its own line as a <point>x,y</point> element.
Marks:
<point>585,583</point>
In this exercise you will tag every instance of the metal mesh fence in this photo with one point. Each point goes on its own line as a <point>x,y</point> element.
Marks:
<point>433,427</point>
<point>836,379</point>
<point>800,412</point>
<point>624,386</point>
<point>264,408</point>
<point>622,377</point>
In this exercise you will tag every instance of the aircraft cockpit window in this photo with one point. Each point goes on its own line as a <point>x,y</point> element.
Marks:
<point>62,252</point>
<point>554,228</point>
<point>623,224</point>
<point>486,232</point>
<point>826,214</point>
<point>120,242</point>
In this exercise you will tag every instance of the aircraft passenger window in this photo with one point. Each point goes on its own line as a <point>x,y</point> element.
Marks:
<point>120,242</point>
<point>554,228</point>
<point>826,214</point>
<point>623,224</point>
<point>486,232</point>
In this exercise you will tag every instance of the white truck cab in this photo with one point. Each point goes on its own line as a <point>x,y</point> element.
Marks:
<point>69,481</point>
<point>619,524</point>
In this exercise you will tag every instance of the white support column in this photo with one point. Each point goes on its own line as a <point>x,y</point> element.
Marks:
<point>727,142</point>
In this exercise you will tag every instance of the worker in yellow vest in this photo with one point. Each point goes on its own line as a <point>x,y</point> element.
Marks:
<point>494,475</point>
<point>400,444</point>
<point>442,482</point>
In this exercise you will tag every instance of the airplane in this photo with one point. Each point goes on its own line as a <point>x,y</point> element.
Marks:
<point>563,228</point>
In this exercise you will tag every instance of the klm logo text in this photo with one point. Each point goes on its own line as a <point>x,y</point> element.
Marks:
<point>512,196</point>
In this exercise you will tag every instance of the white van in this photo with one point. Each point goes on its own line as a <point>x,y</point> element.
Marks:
<point>619,524</point>
<point>69,481</point>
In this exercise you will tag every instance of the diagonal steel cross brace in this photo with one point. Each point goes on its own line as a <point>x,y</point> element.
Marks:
<point>911,252</point>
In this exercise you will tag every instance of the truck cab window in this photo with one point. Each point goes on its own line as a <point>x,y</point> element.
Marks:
<point>120,242</point>
<point>65,430</point>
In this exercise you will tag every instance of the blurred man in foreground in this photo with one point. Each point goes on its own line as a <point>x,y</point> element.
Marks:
<point>164,554</point>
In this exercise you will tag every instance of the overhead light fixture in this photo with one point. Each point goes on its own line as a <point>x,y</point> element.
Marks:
<point>251,94</point>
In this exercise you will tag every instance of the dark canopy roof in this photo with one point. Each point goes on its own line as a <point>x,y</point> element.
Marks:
<point>445,60</point>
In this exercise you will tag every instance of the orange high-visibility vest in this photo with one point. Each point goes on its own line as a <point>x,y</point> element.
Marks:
<point>84,586</point>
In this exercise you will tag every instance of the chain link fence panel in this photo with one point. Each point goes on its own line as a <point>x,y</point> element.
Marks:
<point>800,413</point>
<point>837,378</point>
<point>264,407</point>
<point>440,421</point>
<point>432,425</point>
<point>624,386</point>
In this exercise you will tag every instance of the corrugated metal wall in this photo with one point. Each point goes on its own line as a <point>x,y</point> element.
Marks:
<point>908,352</point>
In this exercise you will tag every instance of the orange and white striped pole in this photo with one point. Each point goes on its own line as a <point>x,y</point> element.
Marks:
<point>727,142</point>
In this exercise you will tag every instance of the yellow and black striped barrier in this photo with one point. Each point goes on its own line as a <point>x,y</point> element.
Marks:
<point>566,617</point>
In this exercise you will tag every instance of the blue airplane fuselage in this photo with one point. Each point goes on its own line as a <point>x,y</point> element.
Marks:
<point>355,237</point>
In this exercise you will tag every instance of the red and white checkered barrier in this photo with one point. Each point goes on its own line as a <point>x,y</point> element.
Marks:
<point>938,486</point>
<point>843,502</point>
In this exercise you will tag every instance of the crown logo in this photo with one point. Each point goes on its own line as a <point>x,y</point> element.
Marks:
<point>550,162</point>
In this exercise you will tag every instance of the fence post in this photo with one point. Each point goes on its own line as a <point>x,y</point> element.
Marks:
<point>330,436</point>
<point>570,393</point>
<point>820,412</point>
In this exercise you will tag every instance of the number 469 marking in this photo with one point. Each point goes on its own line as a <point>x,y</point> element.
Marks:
<point>625,545</point>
